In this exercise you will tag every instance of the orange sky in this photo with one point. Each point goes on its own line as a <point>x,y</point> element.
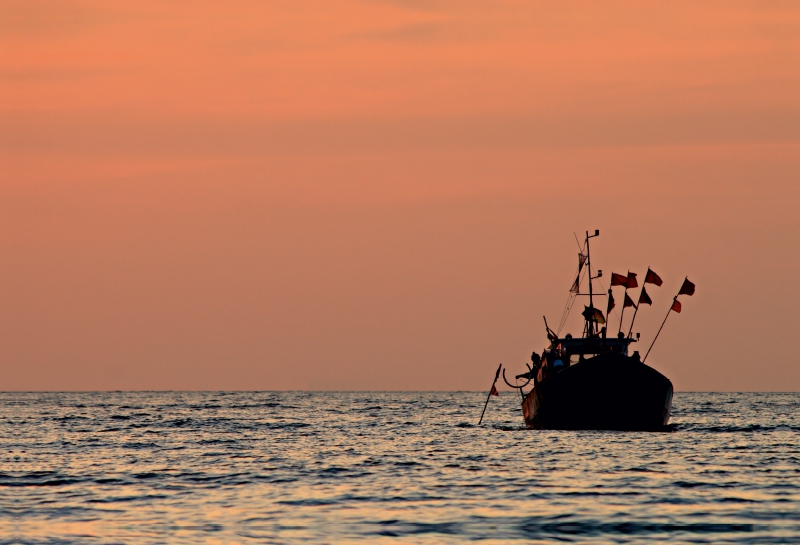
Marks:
<point>383,195</point>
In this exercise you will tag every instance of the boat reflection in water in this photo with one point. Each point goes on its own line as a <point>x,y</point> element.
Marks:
<point>591,382</point>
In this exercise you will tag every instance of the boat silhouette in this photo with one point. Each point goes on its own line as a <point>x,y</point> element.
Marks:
<point>591,382</point>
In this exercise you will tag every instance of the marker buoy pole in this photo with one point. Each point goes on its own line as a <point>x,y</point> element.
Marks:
<point>488,397</point>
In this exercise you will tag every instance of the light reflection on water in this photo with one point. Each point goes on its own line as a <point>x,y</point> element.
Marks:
<point>388,468</point>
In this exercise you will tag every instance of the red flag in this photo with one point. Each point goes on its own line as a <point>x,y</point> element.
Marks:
<point>628,302</point>
<point>652,278</point>
<point>687,288</point>
<point>494,391</point>
<point>610,303</point>
<point>644,298</point>
<point>676,306</point>
<point>632,283</point>
<point>618,279</point>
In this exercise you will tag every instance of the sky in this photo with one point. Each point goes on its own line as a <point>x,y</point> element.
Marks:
<point>385,195</point>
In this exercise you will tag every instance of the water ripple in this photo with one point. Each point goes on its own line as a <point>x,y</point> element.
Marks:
<point>157,467</point>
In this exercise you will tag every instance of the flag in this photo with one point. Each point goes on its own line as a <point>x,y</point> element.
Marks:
<point>644,298</point>
<point>610,303</point>
<point>628,302</point>
<point>592,314</point>
<point>576,284</point>
<point>618,279</point>
<point>652,278</point>
<point>687,288</point>
<point>494,391</point>
<point>632,283</point>
<point>676,306</point>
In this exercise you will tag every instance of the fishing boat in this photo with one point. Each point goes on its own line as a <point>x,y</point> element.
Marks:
<point>591,382</point>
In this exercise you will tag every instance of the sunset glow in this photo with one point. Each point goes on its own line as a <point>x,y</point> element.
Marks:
<point>382,195</point>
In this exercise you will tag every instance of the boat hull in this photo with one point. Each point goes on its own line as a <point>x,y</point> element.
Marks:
<point>607,392</point>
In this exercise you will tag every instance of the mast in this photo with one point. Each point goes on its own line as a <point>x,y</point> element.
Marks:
<point>590,325</point>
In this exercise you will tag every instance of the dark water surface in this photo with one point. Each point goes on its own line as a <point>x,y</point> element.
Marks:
<point>389,468</point>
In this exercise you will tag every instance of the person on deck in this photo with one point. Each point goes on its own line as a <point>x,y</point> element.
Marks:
<point>536,360</point>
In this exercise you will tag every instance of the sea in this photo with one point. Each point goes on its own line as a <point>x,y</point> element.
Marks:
<point>389,467</point>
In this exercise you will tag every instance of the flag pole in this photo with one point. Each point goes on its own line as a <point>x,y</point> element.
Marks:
<point>635,310</point>
<point>638,303</point>
<point>660,328</point>
<point>488,397</point>
<point>622,314</point>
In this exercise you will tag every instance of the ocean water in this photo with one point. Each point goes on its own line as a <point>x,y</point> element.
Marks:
<point>296,467</point>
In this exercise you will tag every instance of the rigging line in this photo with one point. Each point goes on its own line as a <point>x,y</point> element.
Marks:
<point>565,312</point>
<point>605,290</point>
<point>564,315</point>
<point>570,303</point>
<point>572,296</point>
<point>580,248</point>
